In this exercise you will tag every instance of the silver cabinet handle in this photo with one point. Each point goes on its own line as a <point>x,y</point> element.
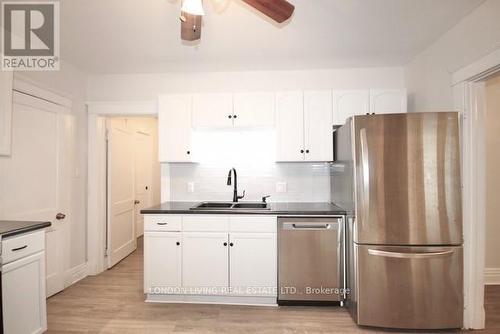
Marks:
<point>418,255</point>
<point>161,223</point>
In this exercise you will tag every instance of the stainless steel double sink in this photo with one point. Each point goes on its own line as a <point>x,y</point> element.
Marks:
<point>231,206</point>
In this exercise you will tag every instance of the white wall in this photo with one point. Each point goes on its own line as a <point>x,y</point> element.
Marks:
<point>148,86</point>
<point>428,75</point>
<point>70,82</point>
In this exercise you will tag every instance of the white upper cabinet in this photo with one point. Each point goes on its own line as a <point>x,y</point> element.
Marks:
<point>174,128</point>
<point>290,126</point>
<point>253,109</point>
<point>5,111</point>
<point>212,110</point>
<point>304,126</point>
<point>347,103</point>
<point>318,134</point>
<point>388,101</point>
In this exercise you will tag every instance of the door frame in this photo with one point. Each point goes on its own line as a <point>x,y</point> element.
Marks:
<point>27,86</point>
<point>469,98</point>
<point>97,172</point>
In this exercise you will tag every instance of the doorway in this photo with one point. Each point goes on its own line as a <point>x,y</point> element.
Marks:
<point>133,181</point>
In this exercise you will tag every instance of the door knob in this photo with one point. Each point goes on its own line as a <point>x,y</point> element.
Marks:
<point>60,216</point>
<point>137,202</point>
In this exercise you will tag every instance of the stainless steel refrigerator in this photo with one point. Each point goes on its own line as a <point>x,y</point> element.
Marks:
<point>398,176</point>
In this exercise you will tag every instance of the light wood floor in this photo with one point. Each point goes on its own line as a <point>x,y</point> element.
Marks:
<point>113,302</point>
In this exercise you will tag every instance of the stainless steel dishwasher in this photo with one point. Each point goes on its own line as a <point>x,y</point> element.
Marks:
<point>310,252</point>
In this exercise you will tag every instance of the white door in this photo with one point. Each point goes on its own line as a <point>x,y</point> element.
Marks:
<point>174,128</point>
<point>253,110</point>
<point>205,262</point>
<point>347,103</point>
<point>290,126</point>
<point>162,262</point>
<point>318,126</point>
<point>121,215</point>
<point>143,176</point>
<point>388,101</point>
<point>23,296</point>
<point>253,264</point>
<point>212,111</point>
<point>36,178</point>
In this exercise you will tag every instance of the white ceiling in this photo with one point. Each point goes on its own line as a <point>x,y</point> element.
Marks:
<point>131,36</point>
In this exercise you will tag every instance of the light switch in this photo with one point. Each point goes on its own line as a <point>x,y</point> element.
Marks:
<point>281,187</point>
<point>190,187</point>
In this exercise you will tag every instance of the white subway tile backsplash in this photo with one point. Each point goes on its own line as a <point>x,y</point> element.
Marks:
<point>305,182</point>
<point>252,156</point>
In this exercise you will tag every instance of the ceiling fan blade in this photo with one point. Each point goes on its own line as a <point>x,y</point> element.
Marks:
<point>190,27</point>
<point>278,10</point>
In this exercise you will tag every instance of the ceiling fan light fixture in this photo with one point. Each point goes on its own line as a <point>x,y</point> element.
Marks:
<point>194,7</point>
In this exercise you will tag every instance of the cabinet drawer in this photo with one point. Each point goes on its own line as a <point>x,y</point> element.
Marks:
<point>22,245</point>
<point>162,223</point>
<point>253,223</point>
<point>212,223</point>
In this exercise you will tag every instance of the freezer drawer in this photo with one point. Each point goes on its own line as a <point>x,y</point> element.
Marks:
<point>409,287</point>
<point>310,259</point>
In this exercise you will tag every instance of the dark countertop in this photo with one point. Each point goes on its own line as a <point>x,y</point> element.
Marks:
<point>279,208</point>
<point>8,228</point>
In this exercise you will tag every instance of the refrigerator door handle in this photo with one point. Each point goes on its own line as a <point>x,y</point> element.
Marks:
<point>421,255</point>
<point>365,174</point>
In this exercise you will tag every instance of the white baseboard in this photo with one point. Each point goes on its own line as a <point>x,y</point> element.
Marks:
<point>492,276</point>
<point>75,274</point>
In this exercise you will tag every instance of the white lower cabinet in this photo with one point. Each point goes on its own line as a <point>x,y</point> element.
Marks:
<point>212,257</point>
<point>162,262</point>
<point>253,264</point>
<point>205,263</point>
<point>23,293</point>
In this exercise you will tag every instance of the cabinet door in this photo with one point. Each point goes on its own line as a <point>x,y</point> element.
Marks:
<point>212,111</point>
<point>5,111</point>
<point>318,126</point>
<point>388,101</point>
<point>253,109</point>
<point>253,264</point>
<point>205,263</point>
<point>162,262</point>
<point>23,294</point>
<point>347,103</point>
<point>290,126</point>
<point>174,128</point>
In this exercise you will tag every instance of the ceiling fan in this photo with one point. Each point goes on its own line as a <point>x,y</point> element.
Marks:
<point>192,13</point>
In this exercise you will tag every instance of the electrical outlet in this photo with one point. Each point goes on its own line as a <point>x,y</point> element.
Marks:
<point>281,187</point>
<point>190,187</point>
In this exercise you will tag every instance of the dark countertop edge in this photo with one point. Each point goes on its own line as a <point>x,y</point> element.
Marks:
<point>239,212</point>
<point>25,229</point>
<point>275,209</point>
